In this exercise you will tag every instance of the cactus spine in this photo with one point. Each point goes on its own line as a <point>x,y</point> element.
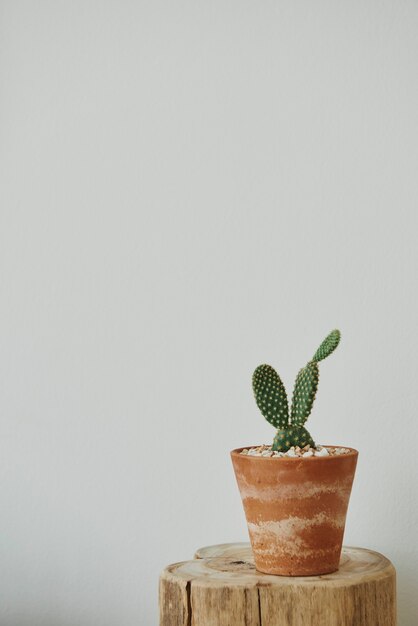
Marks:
<point>271,398</point>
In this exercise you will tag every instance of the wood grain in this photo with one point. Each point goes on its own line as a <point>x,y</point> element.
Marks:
<point>221,587</point>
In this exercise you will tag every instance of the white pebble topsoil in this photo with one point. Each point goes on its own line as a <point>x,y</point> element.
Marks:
<point>305,452</point>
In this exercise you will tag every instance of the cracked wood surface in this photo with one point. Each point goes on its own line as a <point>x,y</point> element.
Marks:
<point>221,587</point>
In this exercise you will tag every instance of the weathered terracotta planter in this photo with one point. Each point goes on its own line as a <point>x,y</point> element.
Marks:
<point>296,510</point>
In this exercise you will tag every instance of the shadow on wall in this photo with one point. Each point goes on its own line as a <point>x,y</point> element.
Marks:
<point>404,560</point>
<point>407,590</point>
<point>37,618</point>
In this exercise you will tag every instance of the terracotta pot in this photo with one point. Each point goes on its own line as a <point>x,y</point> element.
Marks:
<point>295,510</point>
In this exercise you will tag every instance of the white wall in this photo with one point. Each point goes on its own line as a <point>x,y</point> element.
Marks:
<point>189,189</point>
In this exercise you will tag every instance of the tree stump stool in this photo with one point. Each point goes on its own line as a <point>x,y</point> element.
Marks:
<point>221,587</point>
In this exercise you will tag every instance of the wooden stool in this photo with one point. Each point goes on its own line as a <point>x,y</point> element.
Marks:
<point>221,587</point>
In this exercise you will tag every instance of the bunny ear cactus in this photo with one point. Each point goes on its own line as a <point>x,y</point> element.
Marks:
<point>328,346</point>
<point>270,395</point>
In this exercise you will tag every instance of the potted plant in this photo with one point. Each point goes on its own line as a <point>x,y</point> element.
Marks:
<point>295,494</point>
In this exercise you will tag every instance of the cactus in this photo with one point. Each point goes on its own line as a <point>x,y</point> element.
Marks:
<point>327,346</point>
<point>304,393</point>
<point>271,398</point>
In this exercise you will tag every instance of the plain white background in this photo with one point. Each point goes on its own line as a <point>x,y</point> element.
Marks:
<point>190,189</point>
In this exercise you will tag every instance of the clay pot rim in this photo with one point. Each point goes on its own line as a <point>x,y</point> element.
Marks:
<point>353,452</point>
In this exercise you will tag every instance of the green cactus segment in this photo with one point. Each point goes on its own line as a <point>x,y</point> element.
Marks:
<point>304,393</point>
<point>270,396</point>
<point>328,346</point>
<point>292,436</point>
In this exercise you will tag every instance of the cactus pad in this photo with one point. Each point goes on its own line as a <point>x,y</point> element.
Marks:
<point>270,396</point>
<point>304,393</point>
<point>327,346</point>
